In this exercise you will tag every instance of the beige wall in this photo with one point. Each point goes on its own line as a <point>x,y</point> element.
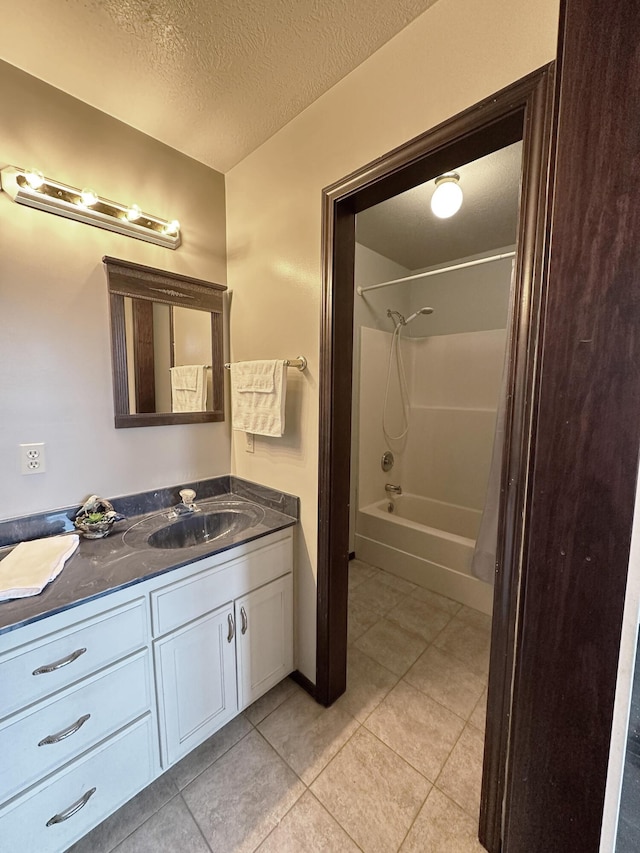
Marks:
<point>449,58</point>
<point>55,362</point>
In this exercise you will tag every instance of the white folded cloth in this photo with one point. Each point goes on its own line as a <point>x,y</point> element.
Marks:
<point>258,395</point>
<point>32,565</point>
<point>188,388</point>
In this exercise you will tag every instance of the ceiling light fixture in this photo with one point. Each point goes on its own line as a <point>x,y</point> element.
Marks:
<point>30,187</point>
<point>447,196</point>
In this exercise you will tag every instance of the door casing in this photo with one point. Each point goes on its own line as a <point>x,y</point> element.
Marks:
<point>521,111</point>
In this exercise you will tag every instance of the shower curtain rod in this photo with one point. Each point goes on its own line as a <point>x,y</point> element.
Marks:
<point>362,290</point>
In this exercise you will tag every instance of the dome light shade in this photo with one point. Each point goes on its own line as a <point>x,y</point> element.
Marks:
<point>447,196</point>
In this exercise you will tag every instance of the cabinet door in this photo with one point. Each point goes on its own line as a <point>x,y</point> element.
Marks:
<point>264,621</point>
<point>195,668</point>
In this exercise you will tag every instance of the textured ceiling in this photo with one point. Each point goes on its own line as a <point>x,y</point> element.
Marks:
<point>405,230</point>
<point>211,78</point>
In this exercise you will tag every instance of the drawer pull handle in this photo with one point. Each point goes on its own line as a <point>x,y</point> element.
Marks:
<point>51,667</point>
<point>232,630</point>
<point>73,808</point>
<point>71,730</point>
<point>243,615</point>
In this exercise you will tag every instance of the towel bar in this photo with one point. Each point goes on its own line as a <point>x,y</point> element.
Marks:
<point>300,362</point>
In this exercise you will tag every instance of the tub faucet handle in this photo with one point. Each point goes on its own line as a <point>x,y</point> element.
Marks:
<point>392,489</point>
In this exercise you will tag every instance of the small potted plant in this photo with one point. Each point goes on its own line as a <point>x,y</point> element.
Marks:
<point>95,518</point>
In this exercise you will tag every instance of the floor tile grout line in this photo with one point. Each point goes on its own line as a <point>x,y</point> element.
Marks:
<point>402,758</point>
<point>417,586</point>
<point>291,693</point>
<point>333,757</point>
<point>437,701</point>
<point>435,784</point>
<point>193,817</point>
<point>404,675</point>
<point>415,818</point>
<point>295,692</point>
<point>322,805</point>
<point>215,761</point>
<point>145,821</point>
<point>472,815</point>
<point>386,668</point>
<point>284,760</point>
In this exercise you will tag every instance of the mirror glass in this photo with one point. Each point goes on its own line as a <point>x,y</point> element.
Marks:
<point>169,337</point>
<point>167,348</point>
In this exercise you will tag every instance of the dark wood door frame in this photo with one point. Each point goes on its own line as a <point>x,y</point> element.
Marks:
<point>585,462</point>
<point>522,111</point>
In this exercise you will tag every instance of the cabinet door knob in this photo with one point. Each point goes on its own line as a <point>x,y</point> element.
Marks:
<point>71,730</point>
<point>51,667</point>
<point>232,630</point>
<point>243,616</point>
<point>73,808</point>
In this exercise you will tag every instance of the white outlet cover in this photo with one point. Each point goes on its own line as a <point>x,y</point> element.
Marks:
<point>32,458</point>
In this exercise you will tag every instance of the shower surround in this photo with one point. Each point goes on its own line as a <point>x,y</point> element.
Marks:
<point>443,466</point>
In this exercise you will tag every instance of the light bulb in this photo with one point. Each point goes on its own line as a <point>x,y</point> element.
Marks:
<point>34,178</point>
<point>133,213</point>
<point>88,197</point>
<point>447,197</point>
<point>172,228</point>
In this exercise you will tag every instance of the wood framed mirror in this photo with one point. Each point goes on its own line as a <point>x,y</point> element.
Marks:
<point>166,346</point>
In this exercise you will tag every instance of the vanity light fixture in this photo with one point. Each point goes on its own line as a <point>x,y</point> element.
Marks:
<point>447,196</point>
<point>30,187</point>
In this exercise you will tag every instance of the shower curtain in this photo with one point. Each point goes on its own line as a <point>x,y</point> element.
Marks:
<point>483,562</point>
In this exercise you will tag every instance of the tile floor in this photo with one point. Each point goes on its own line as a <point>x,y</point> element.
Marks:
<point>393,765</point>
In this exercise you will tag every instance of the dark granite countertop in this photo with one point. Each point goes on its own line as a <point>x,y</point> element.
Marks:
<point>101,566</point>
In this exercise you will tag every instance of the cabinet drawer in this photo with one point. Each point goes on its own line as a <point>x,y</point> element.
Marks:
<point>181,602</point>
<point>103,780</point>
<point>81,717</point>
<point>35,670</point>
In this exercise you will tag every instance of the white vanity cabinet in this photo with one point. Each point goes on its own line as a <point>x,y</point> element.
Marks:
<point>88,694</point>
<point>224,636</point>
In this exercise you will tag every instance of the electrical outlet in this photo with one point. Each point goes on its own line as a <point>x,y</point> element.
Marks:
<point>32,459</point>
<point>249,442</point>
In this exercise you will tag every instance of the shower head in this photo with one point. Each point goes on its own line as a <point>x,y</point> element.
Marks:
<point>416,313</point>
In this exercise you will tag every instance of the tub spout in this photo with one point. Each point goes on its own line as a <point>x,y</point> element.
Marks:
<point>391,489</point>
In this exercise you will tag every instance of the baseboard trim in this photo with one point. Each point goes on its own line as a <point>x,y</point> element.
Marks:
<point>304,682</point>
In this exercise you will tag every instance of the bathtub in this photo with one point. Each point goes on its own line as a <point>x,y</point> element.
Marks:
<point>427,542</point>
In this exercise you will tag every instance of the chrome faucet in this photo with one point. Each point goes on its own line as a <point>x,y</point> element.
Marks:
<point>390,489</point>
<point>187,504</point>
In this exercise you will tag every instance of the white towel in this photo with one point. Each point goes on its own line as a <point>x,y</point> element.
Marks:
<point>258,394</point>
<point>255,376</point>
<point>32,565</point>
<point>188,388</point>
